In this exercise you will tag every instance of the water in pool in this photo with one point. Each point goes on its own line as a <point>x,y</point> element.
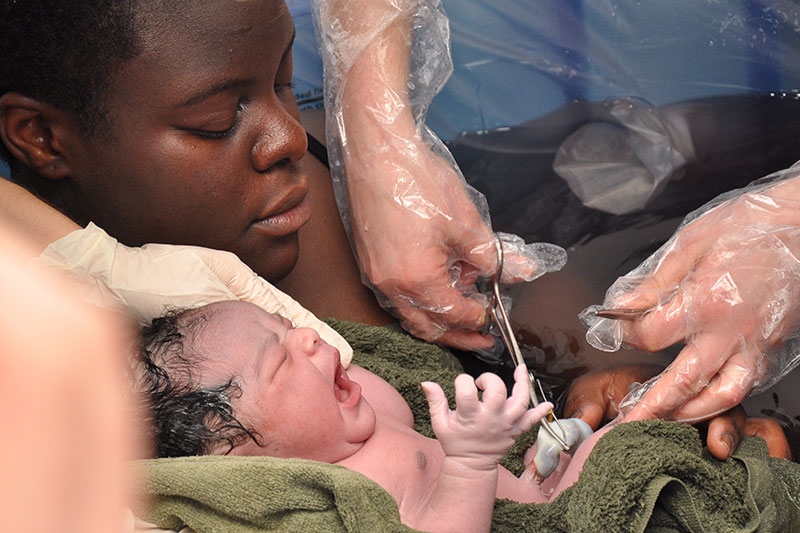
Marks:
<point>734,140</point>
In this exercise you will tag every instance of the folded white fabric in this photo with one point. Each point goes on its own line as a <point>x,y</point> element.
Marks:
<point>145,282</point>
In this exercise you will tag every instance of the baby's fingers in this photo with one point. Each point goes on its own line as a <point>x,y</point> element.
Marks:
<point>437,401</point>
<point>522,385</point>
<point>520,398</point>
<point>534,416</point>
<point>494,391</point>
<point>467,401</point>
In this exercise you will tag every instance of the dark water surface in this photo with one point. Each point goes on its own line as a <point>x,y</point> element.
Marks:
<point>735,139</point>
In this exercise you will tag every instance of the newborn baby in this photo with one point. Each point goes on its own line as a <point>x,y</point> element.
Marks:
<point>230,378</point>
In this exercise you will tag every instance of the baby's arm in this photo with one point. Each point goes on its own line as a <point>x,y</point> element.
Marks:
<point>474,437</point>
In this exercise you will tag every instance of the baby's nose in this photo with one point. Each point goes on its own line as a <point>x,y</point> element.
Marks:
<point>307,339</point>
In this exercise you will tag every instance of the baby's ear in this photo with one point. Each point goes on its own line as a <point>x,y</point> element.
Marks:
<point>32,131</point>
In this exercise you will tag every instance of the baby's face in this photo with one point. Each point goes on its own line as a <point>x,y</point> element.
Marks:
<point>295,393</point>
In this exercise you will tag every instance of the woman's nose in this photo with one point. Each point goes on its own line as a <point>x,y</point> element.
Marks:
<point>305,339</point>
<point>281,139</point>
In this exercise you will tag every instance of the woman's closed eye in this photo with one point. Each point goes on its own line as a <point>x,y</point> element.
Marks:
<point>210,130</point>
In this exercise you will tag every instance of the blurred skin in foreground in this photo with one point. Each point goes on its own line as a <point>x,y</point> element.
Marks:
<point>66,435</point>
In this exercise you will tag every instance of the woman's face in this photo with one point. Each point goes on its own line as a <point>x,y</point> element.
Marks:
<point>204,137</point>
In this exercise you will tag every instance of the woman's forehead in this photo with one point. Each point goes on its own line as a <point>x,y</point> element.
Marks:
<point>204,45</point>
<point>209,29</point>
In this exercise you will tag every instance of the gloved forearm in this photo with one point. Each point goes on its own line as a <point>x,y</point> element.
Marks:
<point>420,233</point>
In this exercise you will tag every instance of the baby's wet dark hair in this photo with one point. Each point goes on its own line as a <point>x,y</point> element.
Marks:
<point>184,418</point>
<point>64,52</point>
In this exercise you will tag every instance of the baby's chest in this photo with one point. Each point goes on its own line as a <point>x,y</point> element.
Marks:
<point>404,463</point>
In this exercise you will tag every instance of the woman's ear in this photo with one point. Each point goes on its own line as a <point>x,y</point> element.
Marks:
<point>32,131</point>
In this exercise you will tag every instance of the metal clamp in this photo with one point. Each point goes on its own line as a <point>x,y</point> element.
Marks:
<point>498,313</point>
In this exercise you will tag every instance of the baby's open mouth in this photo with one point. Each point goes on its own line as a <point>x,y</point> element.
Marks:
<point>347,392</point>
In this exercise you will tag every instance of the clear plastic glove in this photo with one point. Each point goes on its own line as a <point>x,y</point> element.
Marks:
<point>479,432</point>
<point>728,285</point>
<point>595,398</point>
<point>421,235</point>
<point>144,282</point>
<point>425,273</point>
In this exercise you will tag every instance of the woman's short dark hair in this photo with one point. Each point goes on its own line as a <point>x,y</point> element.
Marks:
<point>64,52</point>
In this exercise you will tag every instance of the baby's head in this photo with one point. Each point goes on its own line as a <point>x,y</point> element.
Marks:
<point>160,120</point>
<point>231,378</point>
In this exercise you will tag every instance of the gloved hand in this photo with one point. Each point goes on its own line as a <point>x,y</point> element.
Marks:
<point>421,244</point>
<point>728,285</point>
<point>595,397</point>
<point>144,282</point>
<point>479,432</point>
<point>421,234</point>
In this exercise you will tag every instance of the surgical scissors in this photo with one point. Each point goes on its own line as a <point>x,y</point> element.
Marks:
<point>622,313</point>
<point>498,313</point>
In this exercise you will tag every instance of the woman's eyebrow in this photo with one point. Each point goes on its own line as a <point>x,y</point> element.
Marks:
<point>215,89</point>
<point>229,84</point>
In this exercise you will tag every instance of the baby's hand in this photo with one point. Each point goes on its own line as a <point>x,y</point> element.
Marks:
<point>479,433</point>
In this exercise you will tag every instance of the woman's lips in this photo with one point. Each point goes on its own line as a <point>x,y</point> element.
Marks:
<point>347,392</point>
<point>286,222</point>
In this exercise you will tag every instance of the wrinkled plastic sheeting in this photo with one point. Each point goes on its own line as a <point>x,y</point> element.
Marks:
<point>531,58</point>
<point>618,165</point>
<point>516,60</point>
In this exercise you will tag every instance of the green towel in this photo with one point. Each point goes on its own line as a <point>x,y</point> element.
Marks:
<point>215,494</point>
<point>651,475</point>
<point>656,476</point>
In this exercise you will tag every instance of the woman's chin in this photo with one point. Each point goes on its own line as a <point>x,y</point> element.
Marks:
<point>276,262</point>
